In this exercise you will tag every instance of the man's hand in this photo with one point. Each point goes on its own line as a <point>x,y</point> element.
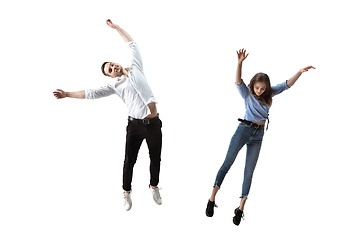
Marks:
<point>110,24</point>
<point>62,94</point>
<point>241,55</point>
<point>59,93</point>
<point>122,32</point>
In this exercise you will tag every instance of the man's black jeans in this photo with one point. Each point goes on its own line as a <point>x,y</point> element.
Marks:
<point>136,131</point>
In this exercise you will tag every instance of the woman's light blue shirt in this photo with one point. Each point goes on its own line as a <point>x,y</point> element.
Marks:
<point>255,111</point>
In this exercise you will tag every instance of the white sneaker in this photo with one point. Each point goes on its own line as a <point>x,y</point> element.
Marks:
<point>127,201</point>
<point>156,195</point>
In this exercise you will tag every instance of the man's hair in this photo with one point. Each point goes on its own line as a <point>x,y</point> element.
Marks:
<point>103,68</point>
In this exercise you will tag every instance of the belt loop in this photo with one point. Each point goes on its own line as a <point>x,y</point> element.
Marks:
<point>254,125</point>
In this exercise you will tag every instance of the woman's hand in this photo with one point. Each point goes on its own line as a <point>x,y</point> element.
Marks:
<point>241,55</point>
<point>305,69</point>
<point>294,78</point>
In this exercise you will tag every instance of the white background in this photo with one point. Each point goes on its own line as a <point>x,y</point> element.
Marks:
<point>61,160</point>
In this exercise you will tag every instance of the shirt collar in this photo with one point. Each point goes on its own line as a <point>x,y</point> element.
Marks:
<point>123,77</point>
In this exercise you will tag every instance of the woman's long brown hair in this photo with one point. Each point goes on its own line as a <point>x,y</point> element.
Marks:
<point>266,97</point>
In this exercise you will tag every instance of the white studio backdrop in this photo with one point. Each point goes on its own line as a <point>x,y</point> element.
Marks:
<point>61,160</point>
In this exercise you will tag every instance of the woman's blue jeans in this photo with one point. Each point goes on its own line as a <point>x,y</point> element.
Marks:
<point>252,137</point>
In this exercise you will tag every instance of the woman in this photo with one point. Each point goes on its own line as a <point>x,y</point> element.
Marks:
<point>258,99</point>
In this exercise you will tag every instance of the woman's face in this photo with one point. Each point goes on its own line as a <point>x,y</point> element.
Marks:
<point>259,88</point>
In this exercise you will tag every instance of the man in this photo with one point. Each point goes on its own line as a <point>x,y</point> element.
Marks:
<point>132,87</point>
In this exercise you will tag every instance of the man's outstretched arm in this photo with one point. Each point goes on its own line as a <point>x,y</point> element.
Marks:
<point>123,33</point>
<point>62,94</point>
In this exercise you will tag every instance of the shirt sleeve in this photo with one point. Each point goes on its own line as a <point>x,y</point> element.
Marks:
<point>99,92</point>
<point>136,57</point>
<point>280,88</point>
<point>243,89</point>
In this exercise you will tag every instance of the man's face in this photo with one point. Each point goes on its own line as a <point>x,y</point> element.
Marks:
<point>113,69</point>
